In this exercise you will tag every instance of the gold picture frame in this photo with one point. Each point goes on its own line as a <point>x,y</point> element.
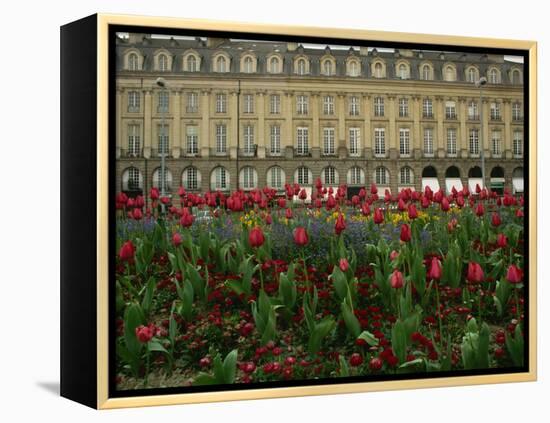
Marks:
<point>102,23</point>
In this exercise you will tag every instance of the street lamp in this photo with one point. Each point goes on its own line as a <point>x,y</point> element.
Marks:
<point>479,84</point>
<point>162,84</point>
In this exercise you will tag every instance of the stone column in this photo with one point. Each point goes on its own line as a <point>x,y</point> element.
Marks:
<point>440,138</point>
<point>119,94</point>
<point>205,123</point>
<point>177,144</point>
<point>485,125</point>
<point>418,139</point>
<point>392,139</point>
<point>507,133</point>
<point>341,110</point>
<point>234,131</point>
<point>261,125</point>
<point>287,138</point>
<point>147,124</point>
<point>462,132</point>
<point>367,135</point>
<point>315,126</point>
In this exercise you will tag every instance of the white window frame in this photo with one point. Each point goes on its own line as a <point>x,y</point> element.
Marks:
<point>302,140</point>
<point>427,108</point>
<point>496,143</point>
<point>221,139</point>
<point>330,176</point>
<point>474,142</point>
<point>428,142</point>
<point>381,176</point>
<point>403,107</point>
<point>248,100</point>
<point>248,137</point>
<point>192,102</point>
<point>134,140</point>
<point>379,109</point>
<point>163,146</point>
<point>134,100</point>
<point>404,142</point>
<point>221,103</point>
<point>354,108</point>
<point>275,104</point>
<point>451,142</point>
<point>380,142</point>
<point>328,105</point>
<point>192,140</point>
<point>517,143</point>
<point>275,140</point>
<point>302,104</point>
<point>329,148</point>
<point>406,176</point>
<point>354,141</point>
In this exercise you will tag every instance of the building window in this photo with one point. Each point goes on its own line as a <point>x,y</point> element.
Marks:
<point>161,179</point>
<point>163,102</point>
<point>403,107</point>
<point>428,142</point>
<point>248,177</point>
<point>356,176</point>
<point>133,62</point>
<point>328,105</point>
<point>191,178</point>
<point>427,108</point>
<point>249,146</point>
<point>329,175</point>
<point>328,141</point>
<point>221,179</point>
<point>303,175</point>
<point>275,104</point>
<point>221,139</point>
<point>378,70</point>
<point>426,73</point>
<point>495,143</point>
<point>163,62</point>
<point>472,110</point>
<point>450,110</point>
<point>404,142</point>
<point>131,180</point>
<point>301,68</point>
<point>192,102</point>
<point>517,144</point>
<point>274,65</point>
<point>275,140</point>
<point>248,103</point>
<point>302,142</point>
<point>163,140</point>
<point>472,75</point>
<point>248,65</point>
<point>221,64</point>
<point>354,106</point>
<point>516,111</point>
<point>221,103</point>
<point>353,68</point>
<point>403,71</point>
<point>134,140</point>
<point>192,139</point>
<point>327,67</point>
<point>302,104</point>
<point>493,76</point>
<point>516,77</point>
<point>133,101</point>
<point>381,176</point>
<point>449,74</point>
<point>451,142</point>
<point>405,176</point>
<point>474,142</point>
<point>276,178</point>
<point>495,111</point>
<point>191,63</point>
<point>378,106</point>
<point>354,142</point>
<point>379,141</point>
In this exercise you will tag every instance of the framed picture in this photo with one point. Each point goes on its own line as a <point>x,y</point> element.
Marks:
<point>255,211</point>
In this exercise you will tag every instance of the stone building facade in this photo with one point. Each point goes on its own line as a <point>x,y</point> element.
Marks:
<point>235,114</point>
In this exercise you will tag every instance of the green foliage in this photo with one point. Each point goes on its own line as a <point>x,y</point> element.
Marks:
<point>515,346</point>
<point>224,371</point>
<point>502,295</point>
<point>265,317</point>
<point>320,331</point>
<point>475,346</point>
<point>452,266</point>
<point>352,323</point>
<point>186,295</point>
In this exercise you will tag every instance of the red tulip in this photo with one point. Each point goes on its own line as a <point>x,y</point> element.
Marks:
<point>396,279</point>
<point>413,213</point>
<point>187,220</point>
<point>137,214</point>
<point>340,224</point>
<point>288,213</point>
<point>145,333</point>
<point>268,220</point>
<point>154,194</point>
<point>405,233</point>
<point>281,203</point>
<point>300,236</point>
<point>502,240</point>
<point>425,202</point>
<point>176,239</point>
<point>480,210</point>
<point>460,201</point>
<point>514,274</point>
<point>519,213</point>
<point>495,219</point>
<point>365,209</point>
<point>445,204</point>
<point>393,255</point>
<point>331,202</point>
<point>344,264</point>
<point>378,216</point>
<point>127,251</point>
<point>356,359</point>
<point>165,200</point>
<point>435,269</point>
<point>375,364</point>
<point>256,237</point>
<point>303,194</point>
<point>475,273</point>
<point>478,189</point>
<point>373,189</point>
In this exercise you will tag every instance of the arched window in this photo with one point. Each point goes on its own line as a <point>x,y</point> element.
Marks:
<point>329,176</point>
<point>191,179</point>
<point>158,178</point>
<point>327,67</point>
<point>378,70</point>
<point>426,73</point>
<point>248,178</point>
<point>275,177</point>
<point>449,74</point>
<point>132,180</point>
<point>516,77</point>
<point>403,71</point>
<point>192,64</point>
<point>353,68</point>
<point>221,64</point>
<point>274,65</point>
<point>381,176</point>
<point>163,62</point>
<point>219,179</point>
<point>356,176</point>
<point>303,176</point>
<point>472,75</point>
<point>133,62</point>
<point>301,67</point>
<point>494,76</point>
<point>406,176</point>
<point>248,65</point>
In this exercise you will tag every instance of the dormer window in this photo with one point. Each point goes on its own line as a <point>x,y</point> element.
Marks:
<point>133,62</point>
<point>163,63</point>
<point>191,64</point>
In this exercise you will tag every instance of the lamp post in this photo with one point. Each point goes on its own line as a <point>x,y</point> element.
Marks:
<point>479,84</point>
<point>162,84</point>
